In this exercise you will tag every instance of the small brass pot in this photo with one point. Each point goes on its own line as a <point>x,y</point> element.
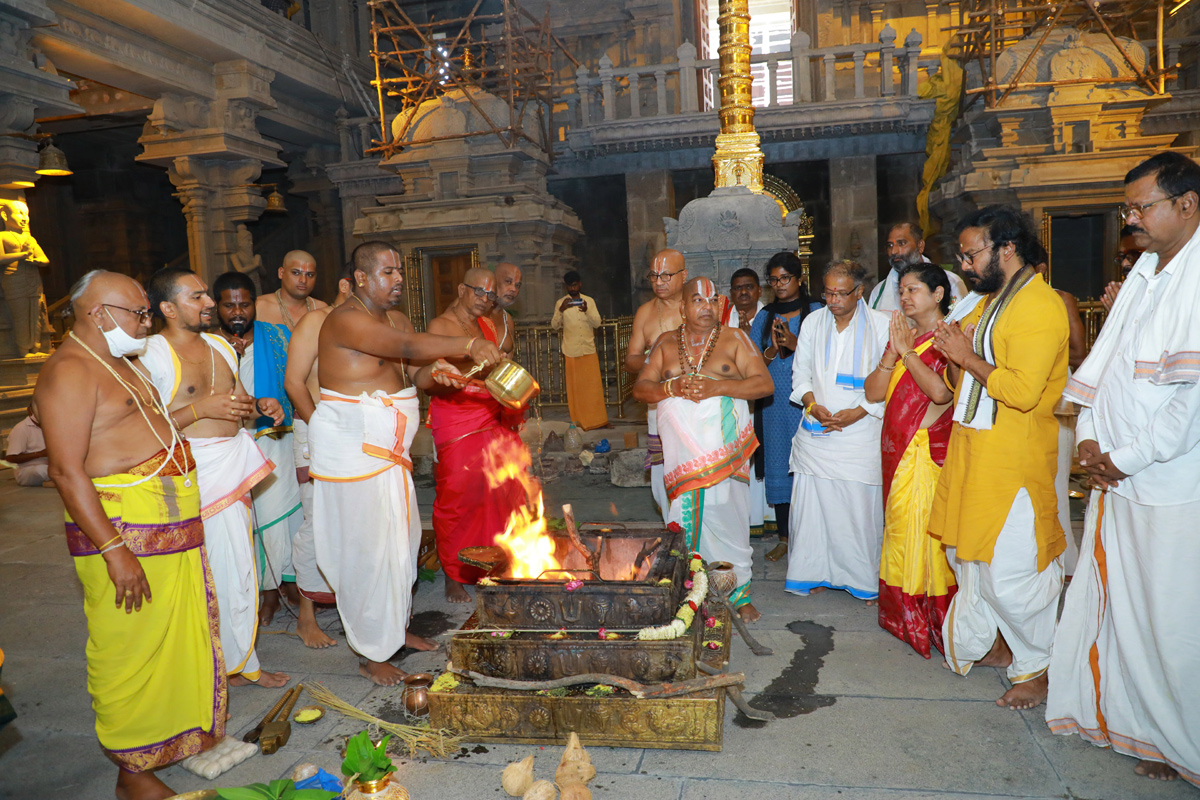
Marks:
<point>722,578</point>
<point>416,693</point>
<point>511,384</point>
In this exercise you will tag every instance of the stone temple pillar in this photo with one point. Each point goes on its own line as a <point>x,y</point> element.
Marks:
<point>854,213</point>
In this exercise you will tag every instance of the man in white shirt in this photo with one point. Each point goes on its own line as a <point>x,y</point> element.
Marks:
<point>837,496</point>
<point>905,247</point>
<point>576,316</point>
<point>27,450</point>
<point>1126,653</point>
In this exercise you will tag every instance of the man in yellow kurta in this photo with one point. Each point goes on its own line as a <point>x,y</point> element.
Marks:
<point>995,508</point>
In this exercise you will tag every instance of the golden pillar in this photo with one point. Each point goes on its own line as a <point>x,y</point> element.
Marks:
<point>738,160</point>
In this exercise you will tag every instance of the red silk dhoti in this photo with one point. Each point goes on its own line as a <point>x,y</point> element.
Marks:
<point>466,511</point>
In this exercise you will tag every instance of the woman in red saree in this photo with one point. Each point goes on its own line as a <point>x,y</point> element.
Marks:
<point>915,580</point>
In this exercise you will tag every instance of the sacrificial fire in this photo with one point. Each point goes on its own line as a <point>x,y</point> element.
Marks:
<point>529,549</point>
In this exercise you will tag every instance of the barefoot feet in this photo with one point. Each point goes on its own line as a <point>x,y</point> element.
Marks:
<point>308,629</point>
<point>267,680</point>
<point>1023,696</point>
<point>749,613</point>
<point>998,656</point>
<point>383,674</point>
<point>1155,770</point>
<point>778,551</point>
<point>141,786</point>
<point>415,642</point>
<point>456,592</point>
<point>268,605</point>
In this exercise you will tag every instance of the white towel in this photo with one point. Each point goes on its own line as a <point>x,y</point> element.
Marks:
<point>1167,350</point>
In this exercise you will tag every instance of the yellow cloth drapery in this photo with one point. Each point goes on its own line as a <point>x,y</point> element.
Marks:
<point>585,392</point>
<point>156,676</point>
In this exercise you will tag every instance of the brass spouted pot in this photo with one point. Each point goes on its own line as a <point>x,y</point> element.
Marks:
<point>509,383</point>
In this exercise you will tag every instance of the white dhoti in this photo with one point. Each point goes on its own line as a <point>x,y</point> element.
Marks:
<point>1062,488</point>
<point>757,500</point>
<point>367,527</point>
<point>1127,652</point>
<point>654,462</point>
<point>309,580</point>
<point>227,468</point>
<point>836,536</point>
<point>706,455</point>
<point>278,512</point>
<point>1008,596</point>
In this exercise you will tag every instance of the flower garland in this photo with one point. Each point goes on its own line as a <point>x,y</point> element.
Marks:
<point>698,583</point>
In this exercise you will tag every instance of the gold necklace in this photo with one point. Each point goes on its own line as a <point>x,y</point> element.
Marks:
<point>403,372</point>
<point>158,408</point>
<point>466,329</point>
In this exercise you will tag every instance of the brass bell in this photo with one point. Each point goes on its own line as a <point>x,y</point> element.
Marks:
<point>275,203</point>
<point>52,161</point>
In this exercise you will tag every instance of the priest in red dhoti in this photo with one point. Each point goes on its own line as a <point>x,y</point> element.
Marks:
<point>469,427</point>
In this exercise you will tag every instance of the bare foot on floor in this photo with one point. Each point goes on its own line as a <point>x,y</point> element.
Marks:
<point>998,656</point>
<point>1023,696</point>
<point>141,786</point>
<point>871,603</point>
<point>456,592</point>
<point>308,629</point>
<point>777,552</point>
<point>1156,770</point>
<point>267,680</point>
<point>749,613</point>
<point>382,674</point>
<point>268,606</point>
<point>411,640</point>
<point>817,589</point>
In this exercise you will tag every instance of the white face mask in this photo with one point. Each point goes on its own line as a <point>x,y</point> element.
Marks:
<point>120,343</point>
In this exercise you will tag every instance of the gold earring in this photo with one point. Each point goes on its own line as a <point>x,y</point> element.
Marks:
<point>360,283</point>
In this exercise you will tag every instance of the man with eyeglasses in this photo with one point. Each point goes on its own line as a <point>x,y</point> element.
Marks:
<point>837,495</point>
<point>1128,252</point>
<point>995,507</point>
<point>668,274</point>
<point>701,376</point>
<point>467,423</point>
<point>133,528</point>
<point>905,248</point>
<point>508,287</point>
<point>1126,654</point>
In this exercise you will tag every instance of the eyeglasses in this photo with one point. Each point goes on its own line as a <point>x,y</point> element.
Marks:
<point>1128,210</point>
<point>969,258</point>
<point>780,281</point>
<point>828,295</point>
<point>1129,256</point>
<point>143,315</point>
<point>481,292</point>
<point>662,277</point>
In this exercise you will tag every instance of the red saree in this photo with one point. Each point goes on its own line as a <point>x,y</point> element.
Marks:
<point>466,513</point>
<point>915,580</point>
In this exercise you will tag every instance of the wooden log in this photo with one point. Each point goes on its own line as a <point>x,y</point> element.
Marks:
<point>639,690</point>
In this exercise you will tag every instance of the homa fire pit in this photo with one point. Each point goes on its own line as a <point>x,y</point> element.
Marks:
<point>581,618</point>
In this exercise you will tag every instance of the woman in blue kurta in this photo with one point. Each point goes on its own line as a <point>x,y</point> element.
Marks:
<point>775,418</point>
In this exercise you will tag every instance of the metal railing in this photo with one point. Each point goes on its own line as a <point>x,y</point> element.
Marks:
<point>1093,314</point>
<point>539,351</point>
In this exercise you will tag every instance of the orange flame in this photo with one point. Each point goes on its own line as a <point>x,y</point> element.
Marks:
<point>529,548</point>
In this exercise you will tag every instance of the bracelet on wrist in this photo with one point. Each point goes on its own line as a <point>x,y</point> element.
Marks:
<point>904,358</point>
<point>882,368</point>
<point>470,342</point>
<point>112,547</point>
<point>808,408</point>
<point>110,541</point>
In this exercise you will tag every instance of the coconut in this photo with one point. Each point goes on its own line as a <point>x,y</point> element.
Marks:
<point>518,777</point>
<point>541,790</point>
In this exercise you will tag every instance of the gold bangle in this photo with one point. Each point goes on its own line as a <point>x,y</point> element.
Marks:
<point>195,416</point>
<point>470,342</point>
<point>882,368</point>
<point>110,541</point>
<point>903,358</point>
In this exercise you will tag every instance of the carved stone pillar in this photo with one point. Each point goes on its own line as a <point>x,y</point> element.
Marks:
<point>213,153</point>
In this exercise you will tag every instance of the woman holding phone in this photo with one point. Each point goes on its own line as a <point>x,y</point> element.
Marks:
<point>775,418</point>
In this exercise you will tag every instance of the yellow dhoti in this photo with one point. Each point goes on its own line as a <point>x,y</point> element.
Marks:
<point>156,676</point>
<point>585,392</point>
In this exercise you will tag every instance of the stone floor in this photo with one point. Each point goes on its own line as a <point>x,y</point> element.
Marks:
<point>866,717</point>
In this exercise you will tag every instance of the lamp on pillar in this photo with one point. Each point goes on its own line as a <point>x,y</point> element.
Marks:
<point>52,161</point>
<point>274,200</point>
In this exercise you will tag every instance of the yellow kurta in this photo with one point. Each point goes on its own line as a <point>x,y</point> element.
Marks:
<point>984,469</point>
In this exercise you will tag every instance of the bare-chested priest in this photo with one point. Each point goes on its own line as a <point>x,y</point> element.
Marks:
<point>701,375</point>
<point>366,524</point>
<point>508,287</point>
<point>127,479</point>
<point>668,274</point>
<point>293,299</point>
<point>304,390</point>
<point>196,376</point>
<point>469,426</point>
